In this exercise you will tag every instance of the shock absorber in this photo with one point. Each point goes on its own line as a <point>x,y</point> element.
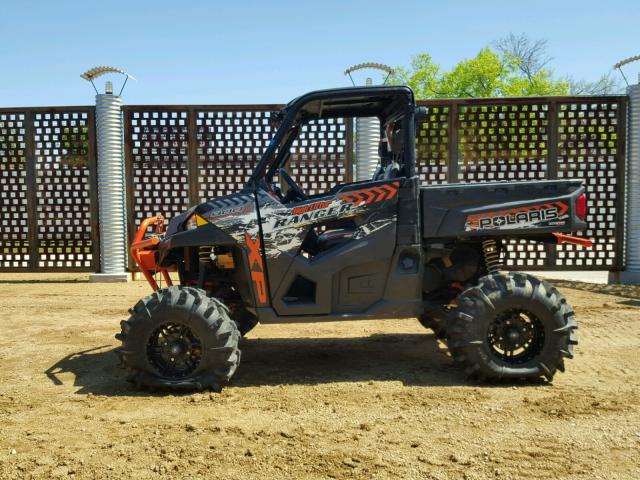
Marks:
<point>204,254</point>
<point>204,259</point>
<point>491,256</point>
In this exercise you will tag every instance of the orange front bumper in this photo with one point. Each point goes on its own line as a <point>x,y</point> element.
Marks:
<point>143,250</point>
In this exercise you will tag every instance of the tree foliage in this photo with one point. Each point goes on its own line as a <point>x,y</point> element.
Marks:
<point>514,66</point>
<point>75,147</point>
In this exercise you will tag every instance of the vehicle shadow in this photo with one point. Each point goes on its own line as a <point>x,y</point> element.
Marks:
<point>413,359</point>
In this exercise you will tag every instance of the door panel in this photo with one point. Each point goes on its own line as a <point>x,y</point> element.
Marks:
<point>343,274</point>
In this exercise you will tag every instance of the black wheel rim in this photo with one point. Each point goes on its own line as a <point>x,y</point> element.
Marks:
<point>516,336</point>
<point>174,350</point>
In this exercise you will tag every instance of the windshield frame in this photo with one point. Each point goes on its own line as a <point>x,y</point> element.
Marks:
<point>294,115</point>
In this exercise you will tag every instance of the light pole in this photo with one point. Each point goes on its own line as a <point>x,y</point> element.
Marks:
<point>367,128</point>
<point>111,178</point>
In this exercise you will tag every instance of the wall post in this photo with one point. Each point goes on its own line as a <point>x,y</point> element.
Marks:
<point>631,273</point>
<point>111,189</point>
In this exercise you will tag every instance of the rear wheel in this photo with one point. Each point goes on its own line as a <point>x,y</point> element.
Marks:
<point>511,326</point>
<point>178,338</point>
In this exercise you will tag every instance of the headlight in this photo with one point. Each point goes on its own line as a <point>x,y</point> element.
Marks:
<point>191,223</point>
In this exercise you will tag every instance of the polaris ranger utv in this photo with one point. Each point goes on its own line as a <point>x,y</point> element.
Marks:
<point>387,247</point>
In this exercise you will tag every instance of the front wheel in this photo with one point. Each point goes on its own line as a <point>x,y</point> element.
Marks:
<point>178,338</point>
<point>435,318</point>
<point>511,326</point>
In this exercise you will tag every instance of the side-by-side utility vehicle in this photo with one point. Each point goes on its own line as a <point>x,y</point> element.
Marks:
<point>386,247</point>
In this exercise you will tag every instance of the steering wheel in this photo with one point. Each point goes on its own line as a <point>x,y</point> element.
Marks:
<point>299,193</point>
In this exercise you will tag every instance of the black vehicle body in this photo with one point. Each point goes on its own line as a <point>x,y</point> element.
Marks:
<point>379,248</point>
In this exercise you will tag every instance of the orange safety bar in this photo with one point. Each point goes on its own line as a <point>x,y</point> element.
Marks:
<point>562,238</point>
<point>143,251</point>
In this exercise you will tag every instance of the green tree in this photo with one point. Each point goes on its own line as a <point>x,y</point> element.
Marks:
<point>516,66</point>
<point>423,76</point>
<point>75,146</point>
<point>485,75</point>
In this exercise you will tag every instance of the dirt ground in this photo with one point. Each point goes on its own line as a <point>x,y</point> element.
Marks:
<point>334,400</point>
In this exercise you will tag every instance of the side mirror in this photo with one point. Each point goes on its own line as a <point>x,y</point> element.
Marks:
<point>420,115</point>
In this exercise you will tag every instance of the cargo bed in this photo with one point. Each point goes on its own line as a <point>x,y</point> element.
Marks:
<point>502,208</point>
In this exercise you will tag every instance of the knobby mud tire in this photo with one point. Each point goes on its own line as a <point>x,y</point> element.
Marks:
<point>471,321</point>
<point>187,308</point>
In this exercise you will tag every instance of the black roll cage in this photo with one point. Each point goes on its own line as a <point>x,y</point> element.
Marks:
<point>385,102</point>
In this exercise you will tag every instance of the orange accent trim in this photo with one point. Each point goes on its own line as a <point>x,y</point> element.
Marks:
<point>381,193</point>
<point>562,238</point>
<point>392,191</point>
<point>143,251</point>
<point>255,260</point>
<point>563,208</point>
<point>310,207</point>
<point>359,197</point>
<point>370,196</point>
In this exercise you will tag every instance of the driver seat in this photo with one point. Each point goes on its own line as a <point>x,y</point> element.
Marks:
<point>314,243</point>
<point>334,238</point>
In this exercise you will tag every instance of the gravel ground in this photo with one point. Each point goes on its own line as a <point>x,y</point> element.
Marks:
<point>334,400</point>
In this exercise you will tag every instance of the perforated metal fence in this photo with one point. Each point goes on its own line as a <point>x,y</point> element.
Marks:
<point>177,156</point>
<point>48,192</point>
<point>479,140</point>
<point>183,155</point>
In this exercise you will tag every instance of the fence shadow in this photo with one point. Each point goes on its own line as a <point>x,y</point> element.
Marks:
<point>42,280</point>
<point>413,359</point>
<point>626,291</point>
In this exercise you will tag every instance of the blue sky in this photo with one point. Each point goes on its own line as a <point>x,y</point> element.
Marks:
<point>269,52</point>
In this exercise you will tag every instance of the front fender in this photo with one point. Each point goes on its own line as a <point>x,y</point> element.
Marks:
<point>205,235</point>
